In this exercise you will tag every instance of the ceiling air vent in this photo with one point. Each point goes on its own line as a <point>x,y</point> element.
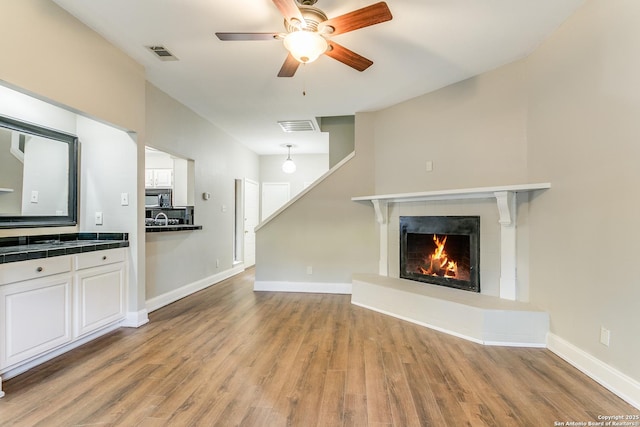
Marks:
<point>162,53</point>
<point>297,126</point>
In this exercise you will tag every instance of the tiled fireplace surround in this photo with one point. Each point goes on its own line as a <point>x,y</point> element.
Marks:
<point>500,313</point>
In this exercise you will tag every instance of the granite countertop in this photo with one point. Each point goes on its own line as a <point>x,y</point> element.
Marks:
<point>24,248</point>
<point>177,227</point>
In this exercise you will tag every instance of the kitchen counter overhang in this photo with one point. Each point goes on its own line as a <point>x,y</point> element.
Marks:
<point>166,228</point>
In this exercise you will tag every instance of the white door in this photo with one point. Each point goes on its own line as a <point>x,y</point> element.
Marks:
<point>251,203</point>
<point>274,195</point>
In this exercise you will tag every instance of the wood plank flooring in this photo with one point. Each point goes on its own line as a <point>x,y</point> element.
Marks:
<point>228,356</point>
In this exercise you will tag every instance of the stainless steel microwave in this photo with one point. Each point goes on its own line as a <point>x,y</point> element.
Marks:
<point>157,198</point>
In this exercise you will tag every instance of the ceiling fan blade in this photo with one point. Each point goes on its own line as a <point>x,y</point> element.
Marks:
<point>247,36</point>
<point>348,57</point>
<point>291,12</point>
<point>370,15</point>
<point>289,67</point>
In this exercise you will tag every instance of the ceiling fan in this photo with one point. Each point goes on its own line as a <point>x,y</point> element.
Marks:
<point>308,32</point>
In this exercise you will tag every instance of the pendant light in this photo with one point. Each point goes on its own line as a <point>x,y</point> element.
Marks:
<point>288,166</point>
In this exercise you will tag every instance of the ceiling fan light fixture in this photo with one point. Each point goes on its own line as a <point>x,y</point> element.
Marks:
<point>305,46</point>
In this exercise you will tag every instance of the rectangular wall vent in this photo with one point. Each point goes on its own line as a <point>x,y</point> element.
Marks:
<point>162,53</point>
<point>297,125</point>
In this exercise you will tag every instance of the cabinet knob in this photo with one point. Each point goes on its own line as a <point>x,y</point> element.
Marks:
<point>39,269</point>
<point>104,257</point>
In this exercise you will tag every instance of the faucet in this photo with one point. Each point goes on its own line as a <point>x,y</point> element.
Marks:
<point>166,218</point>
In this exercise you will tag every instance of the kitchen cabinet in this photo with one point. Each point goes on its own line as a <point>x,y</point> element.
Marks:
<point>158,178</point>
<point>100,290</point>
<point>50,305</point>
<point>36,304</point>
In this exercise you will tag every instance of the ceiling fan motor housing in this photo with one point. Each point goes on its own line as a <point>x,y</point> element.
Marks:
<point>312,17</point>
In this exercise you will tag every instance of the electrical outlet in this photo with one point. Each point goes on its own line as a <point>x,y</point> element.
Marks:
<point>34,196</point>
<point>217,263</point>
<point>605,336</point>
<point>98,218</point>
<point>309,269</point>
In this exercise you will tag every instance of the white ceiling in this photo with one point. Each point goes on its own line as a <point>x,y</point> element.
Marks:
<point>429,44</point>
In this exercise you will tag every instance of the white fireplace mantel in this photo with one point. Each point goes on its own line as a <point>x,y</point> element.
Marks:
<point>505,197</point>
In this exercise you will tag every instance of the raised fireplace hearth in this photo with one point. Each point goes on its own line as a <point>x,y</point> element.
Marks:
<point>495,317</point>
<point>441,250</point>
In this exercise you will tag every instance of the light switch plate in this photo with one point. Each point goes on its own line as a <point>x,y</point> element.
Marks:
<point>124,199</point>
<point>34,196</point>
<point>98,218</point>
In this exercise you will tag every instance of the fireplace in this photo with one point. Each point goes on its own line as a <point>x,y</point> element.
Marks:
<point>441,250</point>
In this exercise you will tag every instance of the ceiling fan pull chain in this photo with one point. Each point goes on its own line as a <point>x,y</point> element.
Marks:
<point>304,80</point>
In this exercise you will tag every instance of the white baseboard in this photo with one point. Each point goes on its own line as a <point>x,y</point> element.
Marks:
<point>306,287</point>
<point>190,288</point>
<point>135,319</point>
<point>618,383</point>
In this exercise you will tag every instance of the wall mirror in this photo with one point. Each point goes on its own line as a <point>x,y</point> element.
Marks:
<point>38,176</point>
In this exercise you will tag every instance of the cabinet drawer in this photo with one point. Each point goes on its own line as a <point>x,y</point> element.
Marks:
<point>97,258</point>
<point>26,270</point>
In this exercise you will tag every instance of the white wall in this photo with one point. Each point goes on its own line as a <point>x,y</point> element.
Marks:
<point>584,137</point>
<point>177,259</point>
<point>474,132</point>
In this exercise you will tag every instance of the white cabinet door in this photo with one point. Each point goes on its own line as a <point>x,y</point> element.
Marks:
<point>163,178</point>
<point>149,178</point>
<point>158,178</point>
<point>36,317</point>
<point>100,297</point>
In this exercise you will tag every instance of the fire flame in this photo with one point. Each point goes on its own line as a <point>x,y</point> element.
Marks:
<point>438,263</point>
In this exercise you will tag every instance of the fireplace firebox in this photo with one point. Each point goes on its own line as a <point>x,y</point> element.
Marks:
<point>441,250</point>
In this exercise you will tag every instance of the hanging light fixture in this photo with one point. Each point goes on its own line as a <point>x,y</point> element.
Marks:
<point>288,166</point>
<point>305,46</point>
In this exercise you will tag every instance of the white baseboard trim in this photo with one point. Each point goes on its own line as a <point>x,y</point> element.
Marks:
<point>615,381</point>
<point>135,319</point>
<point>305,287</point>
<point>190,288</point>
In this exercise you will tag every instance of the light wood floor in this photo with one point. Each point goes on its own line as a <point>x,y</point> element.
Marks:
<point>228,356</point>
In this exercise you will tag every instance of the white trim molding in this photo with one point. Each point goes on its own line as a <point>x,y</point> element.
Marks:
<point>304,287</point>
<point>191,288</point>
<point>610,378</point>
<point>135,319</point>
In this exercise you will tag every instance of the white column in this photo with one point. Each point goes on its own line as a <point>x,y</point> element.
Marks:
<point>507,211</point>
<point>382,216</point>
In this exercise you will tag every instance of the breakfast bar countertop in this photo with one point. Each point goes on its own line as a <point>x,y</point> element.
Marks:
<point>177,227</point>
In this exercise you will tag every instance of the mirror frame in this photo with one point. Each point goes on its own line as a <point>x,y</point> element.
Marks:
<point>71,219</point>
